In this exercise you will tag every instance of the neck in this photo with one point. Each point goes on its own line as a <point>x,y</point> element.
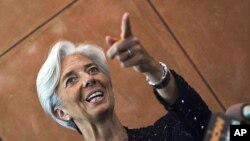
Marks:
<point>108,129</point>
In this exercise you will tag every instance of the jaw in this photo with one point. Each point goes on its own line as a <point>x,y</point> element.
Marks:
<point>102,111</point>
<point>100,108</point>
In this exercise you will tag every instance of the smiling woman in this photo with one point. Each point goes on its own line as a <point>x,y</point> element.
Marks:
<point>61,72</point>
<point>75,88</point>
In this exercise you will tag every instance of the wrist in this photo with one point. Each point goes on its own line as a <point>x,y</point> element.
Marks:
<point>155,72</point>
<point>159,81</point>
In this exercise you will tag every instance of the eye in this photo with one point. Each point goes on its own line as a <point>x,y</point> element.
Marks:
<point>70,81</point>
<point>93,70</point>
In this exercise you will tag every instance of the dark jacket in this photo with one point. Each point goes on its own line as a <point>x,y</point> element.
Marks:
<point>186,119</point>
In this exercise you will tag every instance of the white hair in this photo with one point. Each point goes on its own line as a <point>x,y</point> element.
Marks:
<point>49,74</point>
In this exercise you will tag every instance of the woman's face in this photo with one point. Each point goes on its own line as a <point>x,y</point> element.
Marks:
<point>86,92</point>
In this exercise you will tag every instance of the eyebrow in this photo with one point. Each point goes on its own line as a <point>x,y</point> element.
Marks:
<point>85,67</point>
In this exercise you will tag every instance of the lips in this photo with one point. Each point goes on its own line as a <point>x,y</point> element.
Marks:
<point>95,97</point>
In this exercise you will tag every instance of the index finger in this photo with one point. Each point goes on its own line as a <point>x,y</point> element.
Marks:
<point>125,26</point>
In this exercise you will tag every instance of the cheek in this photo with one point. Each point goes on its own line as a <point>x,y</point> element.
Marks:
<point>109,87</point>
<point>70,96</point>
<point>74,94</point>
<point>106,82</point>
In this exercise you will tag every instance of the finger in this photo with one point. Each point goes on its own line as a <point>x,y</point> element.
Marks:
<point>124,56</point>
<point>134,61</point>
<point>125,26</point>
<point>110,40</point>
<point>121,46</point>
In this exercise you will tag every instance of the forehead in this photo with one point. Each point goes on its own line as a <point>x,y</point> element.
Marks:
<point>75,60</point>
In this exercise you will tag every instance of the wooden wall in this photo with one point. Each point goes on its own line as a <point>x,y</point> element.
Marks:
<point>207,42</point>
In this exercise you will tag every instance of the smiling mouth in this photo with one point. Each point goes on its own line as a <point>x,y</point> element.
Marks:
<point>95,97</point>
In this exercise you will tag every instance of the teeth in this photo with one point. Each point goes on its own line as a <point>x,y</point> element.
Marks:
<point>98,93</point>
<point>94,100</point>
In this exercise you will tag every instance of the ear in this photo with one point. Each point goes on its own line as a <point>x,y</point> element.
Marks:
<point>62,113</point>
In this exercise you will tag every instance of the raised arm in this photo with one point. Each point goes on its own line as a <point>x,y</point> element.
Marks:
<point>130,53</point>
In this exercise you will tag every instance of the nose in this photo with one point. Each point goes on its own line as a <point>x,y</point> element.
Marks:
<point>88,81</point>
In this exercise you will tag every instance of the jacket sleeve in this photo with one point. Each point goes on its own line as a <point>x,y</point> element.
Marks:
<point>189,108</point>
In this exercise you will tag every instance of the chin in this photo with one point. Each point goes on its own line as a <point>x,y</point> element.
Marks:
<point>103,110</point>
<point>103,114</point>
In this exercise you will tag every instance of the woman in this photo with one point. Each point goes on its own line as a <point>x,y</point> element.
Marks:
<point>75,88</point>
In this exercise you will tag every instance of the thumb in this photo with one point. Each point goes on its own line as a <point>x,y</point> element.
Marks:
<point>110,40</point>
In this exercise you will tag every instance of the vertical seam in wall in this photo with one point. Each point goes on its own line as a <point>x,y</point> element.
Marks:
<point>186,54</point>
<point>38,27</point>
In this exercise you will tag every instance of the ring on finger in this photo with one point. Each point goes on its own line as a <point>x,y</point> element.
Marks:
<point>129,53</point>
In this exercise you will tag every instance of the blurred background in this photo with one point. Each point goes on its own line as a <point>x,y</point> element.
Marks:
<point>207,42</point>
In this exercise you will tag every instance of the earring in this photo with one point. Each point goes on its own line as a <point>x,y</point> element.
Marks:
<point>69,118</point>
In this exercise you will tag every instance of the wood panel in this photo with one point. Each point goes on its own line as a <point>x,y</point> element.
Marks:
<point>20,18</point>
<point>89,21</point>
<point>215,34</point>
<point>22,118</point>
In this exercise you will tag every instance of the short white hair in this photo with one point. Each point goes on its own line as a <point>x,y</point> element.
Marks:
<point>49,74</point>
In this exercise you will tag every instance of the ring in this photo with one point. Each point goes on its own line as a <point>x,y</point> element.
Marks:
<point>129,53</point>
